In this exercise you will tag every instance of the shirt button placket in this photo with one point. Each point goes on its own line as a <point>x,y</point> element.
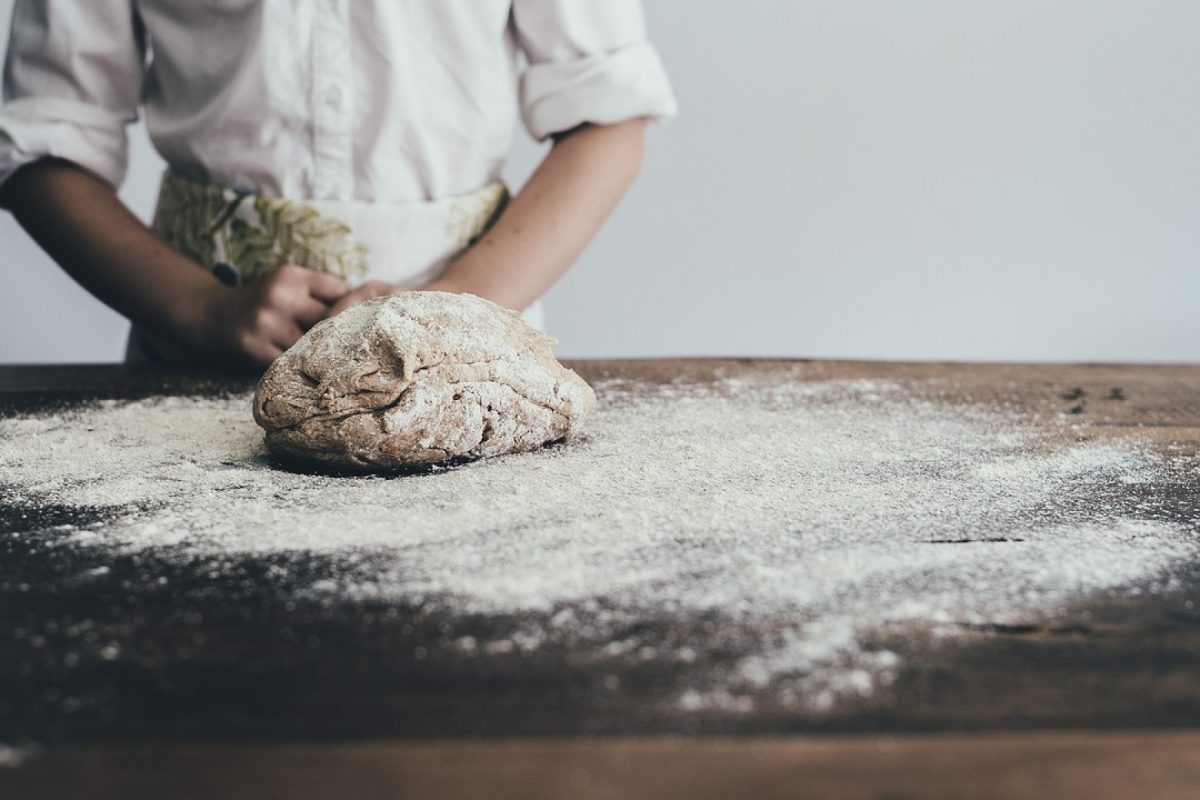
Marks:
<point>332,71</point>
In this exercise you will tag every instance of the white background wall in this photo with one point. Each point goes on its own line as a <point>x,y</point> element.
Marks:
<point>933,179</point>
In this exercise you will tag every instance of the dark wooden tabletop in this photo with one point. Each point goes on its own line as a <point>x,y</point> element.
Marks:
<point>1020,710</point>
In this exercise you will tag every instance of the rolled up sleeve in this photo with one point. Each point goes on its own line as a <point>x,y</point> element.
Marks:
<point>589,61</point>
<point>72,83</point>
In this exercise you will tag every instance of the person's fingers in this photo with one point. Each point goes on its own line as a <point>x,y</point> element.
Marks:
<point>308,311</point>
<point>365,292</point>
<point>284,334</point>
<point>442,284</point>
<point>275,326</point>
<point>282,289</point>
<point>325,287</point>
<point>344,303</point>
<point>259,351</point>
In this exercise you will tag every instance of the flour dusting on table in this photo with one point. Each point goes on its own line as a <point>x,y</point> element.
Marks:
<point>823,512</point>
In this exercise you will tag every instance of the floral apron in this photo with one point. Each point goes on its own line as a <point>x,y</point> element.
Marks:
<point>241,237</point>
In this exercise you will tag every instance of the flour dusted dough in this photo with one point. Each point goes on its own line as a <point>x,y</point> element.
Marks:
<point>418,378</point>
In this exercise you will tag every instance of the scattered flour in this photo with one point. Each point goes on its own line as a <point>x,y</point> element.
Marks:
<point>13,757</point>
<point>806,509</point>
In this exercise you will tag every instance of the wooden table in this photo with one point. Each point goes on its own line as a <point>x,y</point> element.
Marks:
<point>1102,703</point>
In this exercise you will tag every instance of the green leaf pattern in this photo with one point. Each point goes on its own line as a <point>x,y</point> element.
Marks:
<point>256,234</point>
<point>472,214</point>
<point>253,233</point>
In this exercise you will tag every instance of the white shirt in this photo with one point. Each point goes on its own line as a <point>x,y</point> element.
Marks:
<point>347,100</point>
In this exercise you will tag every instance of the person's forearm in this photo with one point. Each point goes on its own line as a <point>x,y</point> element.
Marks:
<point>82,224</point>
<point>549,222</point>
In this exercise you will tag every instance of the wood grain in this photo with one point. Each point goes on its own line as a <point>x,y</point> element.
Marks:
<point>259,716</point>
<point>1043,766</point>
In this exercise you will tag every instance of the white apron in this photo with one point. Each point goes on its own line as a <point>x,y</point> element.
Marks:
<point>241,237</point>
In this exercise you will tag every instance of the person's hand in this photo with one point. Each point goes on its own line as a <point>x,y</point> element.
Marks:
<point>259,320</point>
<point>365,292</point>
<point>379,289</point>
<point>444,284</point>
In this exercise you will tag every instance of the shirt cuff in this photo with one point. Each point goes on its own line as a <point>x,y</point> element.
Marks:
<point>35,127</point>
<point>557,96</point>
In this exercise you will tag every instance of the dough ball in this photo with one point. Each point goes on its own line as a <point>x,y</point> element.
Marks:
<point>418,378</point>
